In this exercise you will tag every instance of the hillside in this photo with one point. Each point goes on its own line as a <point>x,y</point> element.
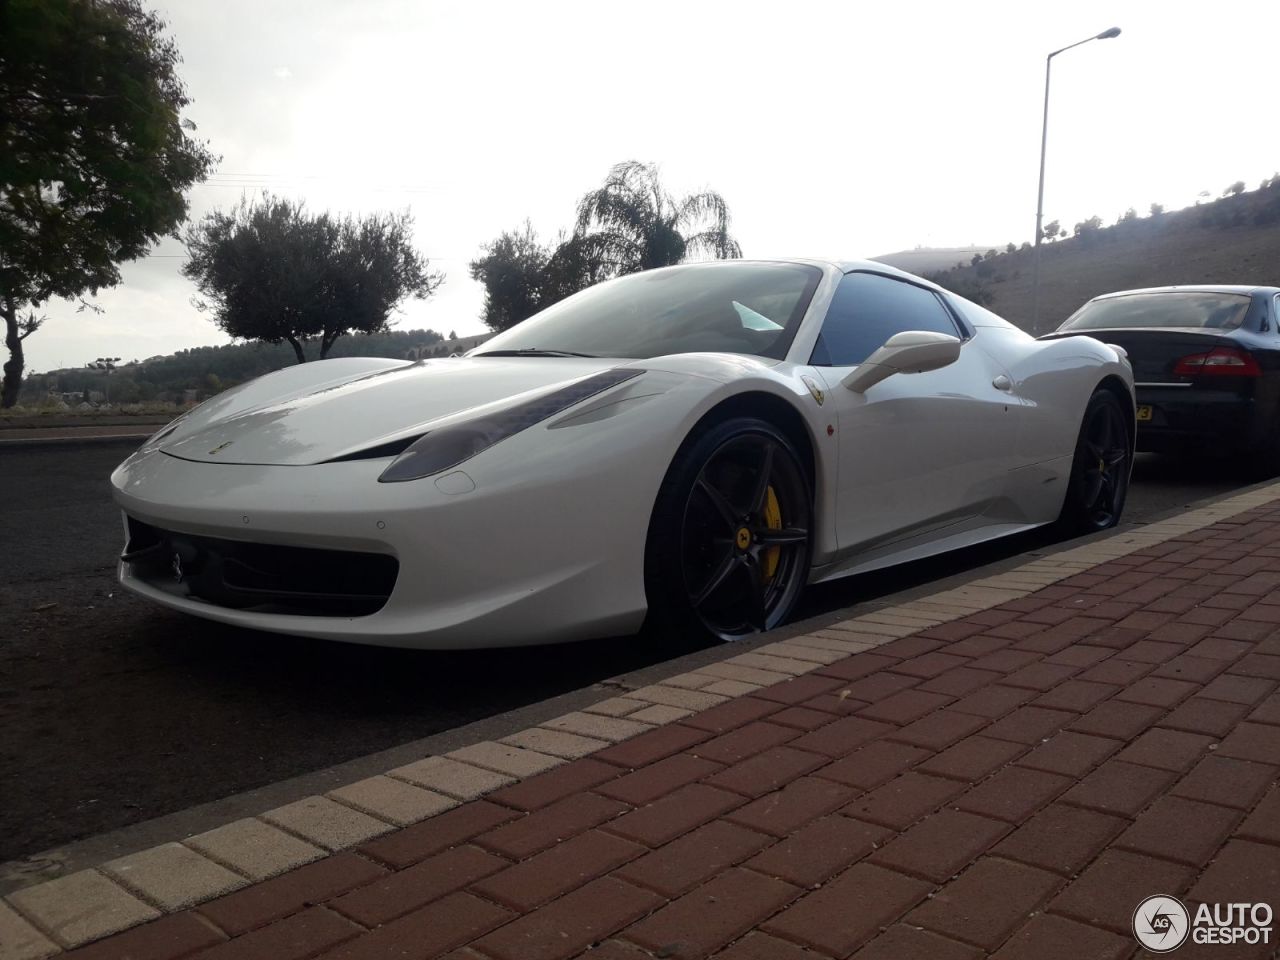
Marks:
<point>202,371</point>
<point>1235,239</point>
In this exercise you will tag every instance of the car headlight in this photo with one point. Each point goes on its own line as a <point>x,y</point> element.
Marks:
<point>449,446</point>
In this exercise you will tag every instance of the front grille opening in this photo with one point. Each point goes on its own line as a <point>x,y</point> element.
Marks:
<point>259,576</point>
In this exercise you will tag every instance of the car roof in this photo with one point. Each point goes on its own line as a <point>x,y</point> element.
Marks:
<point>844,266</point>
<point>875,266</point>
<point>974,315</point>
<point>1246,289</point>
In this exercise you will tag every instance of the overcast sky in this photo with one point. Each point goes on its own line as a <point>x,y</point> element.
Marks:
<point>843,129</point>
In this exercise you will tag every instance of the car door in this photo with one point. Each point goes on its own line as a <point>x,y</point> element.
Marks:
<point>918,452</point>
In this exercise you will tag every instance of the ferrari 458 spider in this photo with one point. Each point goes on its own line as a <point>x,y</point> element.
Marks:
<point>693,444</point>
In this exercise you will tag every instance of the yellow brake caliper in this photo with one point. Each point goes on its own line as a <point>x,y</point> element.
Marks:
<point>772,520</point>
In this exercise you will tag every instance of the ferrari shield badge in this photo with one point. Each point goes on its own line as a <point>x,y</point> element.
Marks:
<point>814,389</point>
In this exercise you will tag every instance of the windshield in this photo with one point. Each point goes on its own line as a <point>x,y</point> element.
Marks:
<point>1219,311</point>
<point>726,307</point>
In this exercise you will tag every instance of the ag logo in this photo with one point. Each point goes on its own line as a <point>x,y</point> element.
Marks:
<point>1161,924</point>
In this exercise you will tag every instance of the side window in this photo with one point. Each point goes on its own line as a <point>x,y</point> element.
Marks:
<point>867,310</point>
<point>1275,313</point>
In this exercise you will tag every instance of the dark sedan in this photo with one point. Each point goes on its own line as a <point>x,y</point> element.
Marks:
<point>1206,362</point>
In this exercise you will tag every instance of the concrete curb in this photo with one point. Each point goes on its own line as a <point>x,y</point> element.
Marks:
<point>43,919</point>
<point>96,438</point>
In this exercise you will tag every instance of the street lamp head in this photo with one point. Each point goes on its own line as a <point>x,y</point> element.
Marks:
<point>1108,34</point>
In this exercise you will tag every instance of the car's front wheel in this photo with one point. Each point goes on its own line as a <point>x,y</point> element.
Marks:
<point>1100,470</point>
<point>731,534</point>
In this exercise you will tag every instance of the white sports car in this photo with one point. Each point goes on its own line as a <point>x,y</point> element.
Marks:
<point>694,444</point>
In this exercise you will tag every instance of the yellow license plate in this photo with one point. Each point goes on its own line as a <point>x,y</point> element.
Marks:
<point>1144,412</point>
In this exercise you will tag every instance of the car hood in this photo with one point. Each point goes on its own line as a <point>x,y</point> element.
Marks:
<point>358,404</point>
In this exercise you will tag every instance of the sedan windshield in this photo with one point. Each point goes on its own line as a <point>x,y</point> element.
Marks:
<point>1183,309</point>
<point>726,307</point>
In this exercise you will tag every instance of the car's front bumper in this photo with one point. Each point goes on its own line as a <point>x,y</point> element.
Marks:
<point>507,563</point>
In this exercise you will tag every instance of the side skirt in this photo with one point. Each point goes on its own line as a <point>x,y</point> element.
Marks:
<point>905,553</point>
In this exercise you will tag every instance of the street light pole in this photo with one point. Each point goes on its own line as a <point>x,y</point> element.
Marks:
<point>1044,141</point>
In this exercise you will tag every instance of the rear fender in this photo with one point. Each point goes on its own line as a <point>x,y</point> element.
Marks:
<point>1054,379</point>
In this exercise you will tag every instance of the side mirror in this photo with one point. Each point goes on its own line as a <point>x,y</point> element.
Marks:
<point>913,351</point>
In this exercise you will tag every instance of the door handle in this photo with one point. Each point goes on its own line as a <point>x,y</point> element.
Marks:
<point>1002,383</point>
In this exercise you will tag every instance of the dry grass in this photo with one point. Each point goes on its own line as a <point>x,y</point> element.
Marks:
<point>1172,249</point>
<point>126,414</point>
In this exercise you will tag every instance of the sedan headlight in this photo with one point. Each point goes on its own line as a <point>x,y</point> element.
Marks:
<point>449,446</point>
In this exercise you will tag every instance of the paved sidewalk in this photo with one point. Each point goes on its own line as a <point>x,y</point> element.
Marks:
<point>1005,769</point>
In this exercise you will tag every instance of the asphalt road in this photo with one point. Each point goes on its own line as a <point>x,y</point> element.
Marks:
<point>113,711</point>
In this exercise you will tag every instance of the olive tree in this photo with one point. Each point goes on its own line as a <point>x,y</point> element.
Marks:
<point>270,270</point>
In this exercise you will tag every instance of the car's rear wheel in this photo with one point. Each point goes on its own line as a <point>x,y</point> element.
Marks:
<point>731,534</point>
<point>1100,470</point>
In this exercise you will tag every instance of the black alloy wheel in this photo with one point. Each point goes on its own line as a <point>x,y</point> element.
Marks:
<point>1100,471</point>
<point>734,532</point>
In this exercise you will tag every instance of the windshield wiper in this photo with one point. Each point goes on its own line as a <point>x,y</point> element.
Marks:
<point>535,352</point>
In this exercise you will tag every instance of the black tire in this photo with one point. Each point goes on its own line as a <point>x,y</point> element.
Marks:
<point>728,551</point>
<point>1100,469</point>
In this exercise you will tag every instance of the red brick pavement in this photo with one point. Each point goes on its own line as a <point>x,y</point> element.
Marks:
<point>1010,785</point>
